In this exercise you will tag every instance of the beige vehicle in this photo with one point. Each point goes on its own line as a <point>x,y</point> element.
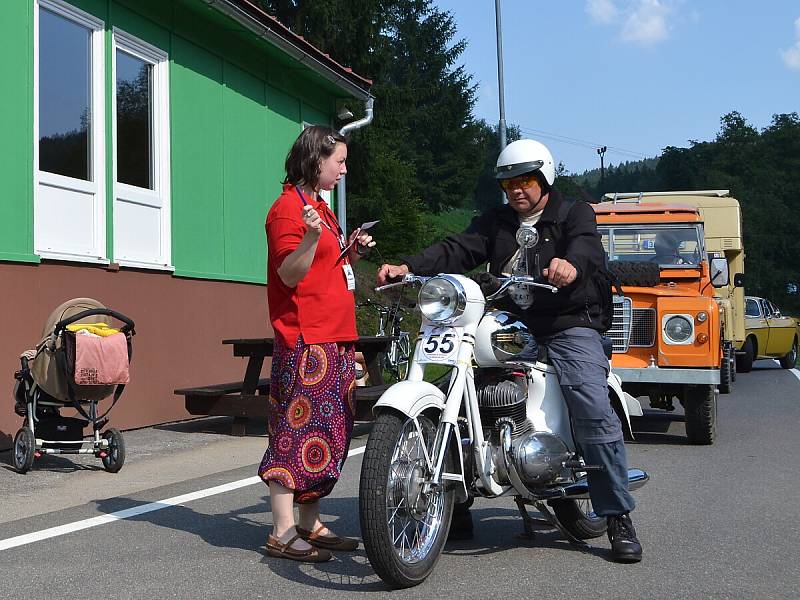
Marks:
<point>722,225</point>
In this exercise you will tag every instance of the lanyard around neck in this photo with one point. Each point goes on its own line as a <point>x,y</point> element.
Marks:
<point>340,235</point>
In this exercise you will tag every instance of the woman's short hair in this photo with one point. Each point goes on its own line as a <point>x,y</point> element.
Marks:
<point>305,157</point>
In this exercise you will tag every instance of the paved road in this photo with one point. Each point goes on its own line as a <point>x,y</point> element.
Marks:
<point>716,522</point>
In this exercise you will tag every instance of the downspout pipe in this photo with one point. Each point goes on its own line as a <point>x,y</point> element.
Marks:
<point>341,195</point>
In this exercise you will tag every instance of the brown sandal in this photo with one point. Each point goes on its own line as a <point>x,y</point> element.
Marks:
<point>329,542</point>
<point>280,550</point>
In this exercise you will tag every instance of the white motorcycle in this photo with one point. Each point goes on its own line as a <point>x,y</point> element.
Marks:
<point>501,429</point>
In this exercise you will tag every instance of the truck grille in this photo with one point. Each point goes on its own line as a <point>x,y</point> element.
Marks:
<point>620,331</point>
<point>643,328</point>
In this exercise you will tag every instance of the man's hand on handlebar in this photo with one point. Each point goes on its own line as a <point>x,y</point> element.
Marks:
<point>391,273</point>
<point>560,272</point>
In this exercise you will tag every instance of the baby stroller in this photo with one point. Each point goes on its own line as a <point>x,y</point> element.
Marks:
<point>79,361</point>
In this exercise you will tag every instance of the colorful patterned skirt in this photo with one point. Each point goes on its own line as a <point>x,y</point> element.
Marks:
<point>311,408</point>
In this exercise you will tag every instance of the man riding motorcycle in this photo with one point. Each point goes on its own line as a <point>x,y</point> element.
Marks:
<point>563,247</point>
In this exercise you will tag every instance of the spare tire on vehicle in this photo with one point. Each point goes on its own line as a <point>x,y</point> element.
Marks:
<point>639,274</point>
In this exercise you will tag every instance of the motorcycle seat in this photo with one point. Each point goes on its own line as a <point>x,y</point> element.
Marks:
<point>607,342</point>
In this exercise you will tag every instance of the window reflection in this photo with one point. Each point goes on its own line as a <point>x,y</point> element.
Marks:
<point>674,245</point>
<point>751,308</point>
<point>134,130</point>
<point>65,115</point>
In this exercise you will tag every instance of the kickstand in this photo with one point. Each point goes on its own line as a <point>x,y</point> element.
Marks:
<point>549,519</point>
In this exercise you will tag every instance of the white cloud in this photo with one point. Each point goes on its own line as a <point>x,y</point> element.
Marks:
<point>647,24</point>
<point>791,56</point>
<point>642,22</point>
<point>602,11</point>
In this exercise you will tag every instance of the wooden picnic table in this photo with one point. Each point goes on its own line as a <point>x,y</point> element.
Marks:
<point>248,398</point>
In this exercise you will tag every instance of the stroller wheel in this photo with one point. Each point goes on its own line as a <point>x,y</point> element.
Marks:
<point>24,449</point>
<point>115,455</point>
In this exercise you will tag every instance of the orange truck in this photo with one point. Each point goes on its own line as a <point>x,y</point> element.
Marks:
<point>667,329</point>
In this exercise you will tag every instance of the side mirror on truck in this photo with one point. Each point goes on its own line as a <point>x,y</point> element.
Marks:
<point>719,272</point>
<point>738,280</point>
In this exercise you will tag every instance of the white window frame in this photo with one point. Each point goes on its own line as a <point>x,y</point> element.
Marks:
<point>97,185</point>
<point>159,196</point>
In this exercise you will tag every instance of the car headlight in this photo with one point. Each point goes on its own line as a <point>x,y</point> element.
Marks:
<point>678,329</point>
<point>442,299</point>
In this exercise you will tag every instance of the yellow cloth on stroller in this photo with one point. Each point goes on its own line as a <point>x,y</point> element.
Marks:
<point>101,329</point>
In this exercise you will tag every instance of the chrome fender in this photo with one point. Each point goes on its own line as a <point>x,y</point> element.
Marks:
<point>624,404</point>
<point>412,398</point>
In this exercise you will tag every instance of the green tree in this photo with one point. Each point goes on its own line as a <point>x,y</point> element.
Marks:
<point>421,149</point>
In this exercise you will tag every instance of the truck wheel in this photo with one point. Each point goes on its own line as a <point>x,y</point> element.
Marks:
<point>744,362</point>
<point>700,406</point>
<point>637,274</point>
<point>726,372</point>
<point>789,361</point>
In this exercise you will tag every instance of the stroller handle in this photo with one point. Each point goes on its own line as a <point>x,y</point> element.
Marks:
<point>128,327</point>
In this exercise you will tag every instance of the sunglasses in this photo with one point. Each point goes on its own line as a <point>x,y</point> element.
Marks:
<point>521,182</point>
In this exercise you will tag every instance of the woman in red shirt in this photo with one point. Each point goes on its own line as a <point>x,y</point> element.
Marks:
<point>310,290</point>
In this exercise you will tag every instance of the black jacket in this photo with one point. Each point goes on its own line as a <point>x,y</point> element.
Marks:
<point>567,229</point>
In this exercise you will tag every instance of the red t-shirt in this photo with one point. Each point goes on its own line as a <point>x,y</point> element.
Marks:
<point>320,306</point>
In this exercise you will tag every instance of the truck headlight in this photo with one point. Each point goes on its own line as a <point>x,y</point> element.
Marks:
<point>678,329</point>
<point>442,299</point>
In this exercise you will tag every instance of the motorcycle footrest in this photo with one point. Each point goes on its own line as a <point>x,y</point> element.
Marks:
<point>577,465</point>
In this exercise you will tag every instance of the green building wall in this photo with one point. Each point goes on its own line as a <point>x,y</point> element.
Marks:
<point>16,141</point>
<point>236,105</point>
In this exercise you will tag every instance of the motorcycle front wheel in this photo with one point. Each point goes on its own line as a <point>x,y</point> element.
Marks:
<point>403,523</point>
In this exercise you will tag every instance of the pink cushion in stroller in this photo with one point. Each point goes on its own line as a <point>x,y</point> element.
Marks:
<point>101,360</point>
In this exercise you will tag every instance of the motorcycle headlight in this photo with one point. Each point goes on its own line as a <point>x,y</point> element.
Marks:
<point>442,299</point>
<point>678,329</point>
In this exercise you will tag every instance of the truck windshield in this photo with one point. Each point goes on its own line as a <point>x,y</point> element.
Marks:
<point>667,245</point>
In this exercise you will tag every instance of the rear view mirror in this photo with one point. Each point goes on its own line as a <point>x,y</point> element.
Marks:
<point>738,280</point>
<point>719,272</point>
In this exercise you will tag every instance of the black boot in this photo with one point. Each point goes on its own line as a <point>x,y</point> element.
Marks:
<point>625,547</point>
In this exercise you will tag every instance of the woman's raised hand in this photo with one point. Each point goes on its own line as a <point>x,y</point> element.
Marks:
<point>362,242</point>
<point>312,220</point>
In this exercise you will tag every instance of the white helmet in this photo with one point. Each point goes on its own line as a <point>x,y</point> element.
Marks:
<point>525,156</point>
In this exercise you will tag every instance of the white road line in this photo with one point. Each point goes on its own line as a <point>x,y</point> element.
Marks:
<point>128,513</point>
<point>795,372</point>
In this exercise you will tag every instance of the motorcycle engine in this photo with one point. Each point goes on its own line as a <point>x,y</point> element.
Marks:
<point>538,456</point>
<point>503,399</point>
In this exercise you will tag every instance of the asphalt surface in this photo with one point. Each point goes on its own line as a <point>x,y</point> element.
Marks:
<point>715,522</point>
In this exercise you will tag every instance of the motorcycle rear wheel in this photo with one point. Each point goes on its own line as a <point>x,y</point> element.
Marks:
<point>577,517</point>
<point>404,527</point>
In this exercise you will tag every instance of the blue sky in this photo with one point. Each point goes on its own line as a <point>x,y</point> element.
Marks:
<point>634,75</point>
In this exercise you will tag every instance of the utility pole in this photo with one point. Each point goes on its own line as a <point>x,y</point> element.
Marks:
<point>601,151</point>
<point>498,25</point>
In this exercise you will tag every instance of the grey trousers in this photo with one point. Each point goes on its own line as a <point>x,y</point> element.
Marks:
<point>582,369</point>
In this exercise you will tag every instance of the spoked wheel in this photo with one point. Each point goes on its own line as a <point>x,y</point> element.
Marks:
<point>115,454</point>
<point>403,521</point>
<point>577,517</point>
<point>24,450</point>
<point>403,352</point>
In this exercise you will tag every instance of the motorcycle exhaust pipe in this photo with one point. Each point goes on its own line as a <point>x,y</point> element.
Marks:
<point>580,489</point>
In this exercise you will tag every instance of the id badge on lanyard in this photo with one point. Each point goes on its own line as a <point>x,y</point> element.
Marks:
<point>347,268</point>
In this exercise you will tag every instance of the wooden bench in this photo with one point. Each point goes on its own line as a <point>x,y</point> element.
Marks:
<point>248,399</point>
<point>227,400</point>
